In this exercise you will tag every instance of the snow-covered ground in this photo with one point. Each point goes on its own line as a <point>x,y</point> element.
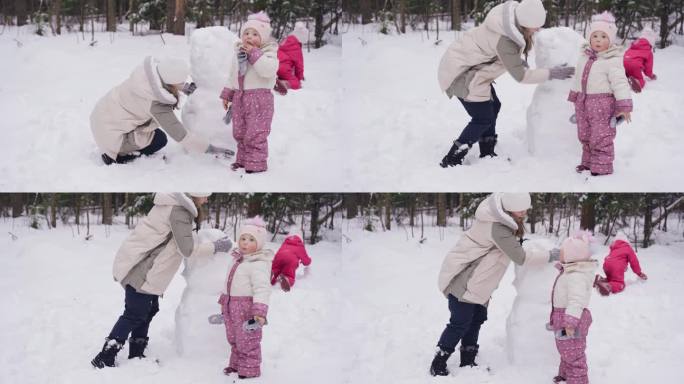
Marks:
<point>402,126</point>
<point>51,85</point>
<point>369,311</point>
<point>635,336</point>
<point>60,302</point>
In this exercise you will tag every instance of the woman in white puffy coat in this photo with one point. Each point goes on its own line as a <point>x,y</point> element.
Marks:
<point>473,269</point>
<point>147,261</point>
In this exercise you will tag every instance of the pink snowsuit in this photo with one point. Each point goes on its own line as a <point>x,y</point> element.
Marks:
<point>287,259</point>
<point>638,61</point>
<point>245,346</point>
<point>573,365</point>
<point>593,111</point>
<point>252,114</point>
<point>615,264</point>
<point>291,68</point>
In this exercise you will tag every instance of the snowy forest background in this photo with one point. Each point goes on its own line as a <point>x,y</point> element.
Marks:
<point>323,16</point>
<point>639,216</point>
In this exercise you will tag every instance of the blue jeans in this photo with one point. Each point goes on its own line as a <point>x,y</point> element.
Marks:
<point>159,141</point>
<point>139,310</point>
<point>464,325</point>
<point>483,119</point>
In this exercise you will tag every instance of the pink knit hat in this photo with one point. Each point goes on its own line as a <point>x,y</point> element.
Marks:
<point>576,248</point>
<point>604,22</point>
<point>260,22</point>
<point>649,35</point>
<point>256,228</point>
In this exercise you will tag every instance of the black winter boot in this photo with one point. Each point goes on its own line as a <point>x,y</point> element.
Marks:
<point>136,347</point>
<point>455,155</point>
<point>107,356</point>
<point>468,354</point>
<point>487,145</point>
<point>439,366</point>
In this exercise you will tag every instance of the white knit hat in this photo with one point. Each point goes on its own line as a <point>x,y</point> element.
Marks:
<point>649,35</point>
<point>301,32</point>
<point>605,22</point>
<point>173,71</point>
<point>576,248</point>
<point>516,202</point>
<point>199,194</point>
<point>256,228</point>
<point>530,14</point>
<point>260,22</point>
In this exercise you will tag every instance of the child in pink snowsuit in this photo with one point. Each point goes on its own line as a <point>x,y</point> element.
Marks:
<point>249,91</point>
<point>245,299</point>
<point>291,58</point>
<point>287,260</point>
<point>570,317</point>
<point>615,266</point>
<point>638,60</point>
<point>599,94</point>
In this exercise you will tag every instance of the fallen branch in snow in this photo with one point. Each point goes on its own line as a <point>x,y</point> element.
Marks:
<point>422,240</point>
<point>19,43</point>
<point>88,237</point>
<point>14,237</point>
<point>93,43</point>
<point>363,42</point>
<point>438,42</point>
<point>162,37</point>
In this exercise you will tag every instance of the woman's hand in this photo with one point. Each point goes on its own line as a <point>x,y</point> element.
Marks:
<point>226,104</point>
<point>626,115</point>
<point>561,72</point>
<point>260,320</point>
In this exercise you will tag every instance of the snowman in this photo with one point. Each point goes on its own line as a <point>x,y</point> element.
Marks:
<point>211,53</point>
<point>204,277</point>
<point>549,130</point>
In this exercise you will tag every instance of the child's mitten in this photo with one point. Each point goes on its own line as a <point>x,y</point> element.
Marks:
<point>216,318</point>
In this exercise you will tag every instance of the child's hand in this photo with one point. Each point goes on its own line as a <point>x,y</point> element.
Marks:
<point>643,276</point>
<point>654,77</point>
<point>626,115</point>
<point>247,48</point>
<point>570,331</point>
<point>260,319</point>
<point>226,104</point>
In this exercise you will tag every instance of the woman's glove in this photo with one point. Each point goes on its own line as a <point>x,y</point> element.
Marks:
<point>561,72</point>
<point>554,255</point>
<point>223,245</point>
<point>220,150</point>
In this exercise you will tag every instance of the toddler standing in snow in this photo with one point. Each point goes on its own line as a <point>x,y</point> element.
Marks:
<point>249,95</point>
<point>287,260</point>
<point>638,60</point>
<point>244,300</point>
<point>600,94</point>
<point>570,317</point>
<point>291,59</point>
<point>615,266</point>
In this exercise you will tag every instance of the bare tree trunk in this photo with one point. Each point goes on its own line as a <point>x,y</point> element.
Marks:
<point>365,11</point>
<point>402,16</point>
<point>128,216</point>
<point>111,15</point>
<point>254,204</point>
<point>53,210</point>
<point>588,218</point>
<point>170,16</point>
<point>412,210</point>
<point>20,10</point>
<point>17,201</point>
<point>441,210</point>
<point>388,211</point>
<point>217,208</point>
<point>352,205</point>
<point>648,222</point>
<point>107,208</point>
<point>455,15</point>
<point>315,208</point>
<point>179,27</point>
<point>57,10</point>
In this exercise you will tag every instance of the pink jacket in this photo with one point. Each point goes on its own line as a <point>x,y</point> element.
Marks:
<point>639,57</point>
<point>291,59</point>
<point>288,257</point>
<point>615,264</point>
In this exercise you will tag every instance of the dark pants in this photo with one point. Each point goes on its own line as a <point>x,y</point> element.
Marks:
<point>464,325</point>
<point>159,141</point>
<point>483,119</point>
<point>139,311</point>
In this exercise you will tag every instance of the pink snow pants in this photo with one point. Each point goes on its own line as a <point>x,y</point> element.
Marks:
<point>252,117</point>
<point>245,346</point>
<point>573,364</point>
<point>615,276</point>
<point>594,132</point>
